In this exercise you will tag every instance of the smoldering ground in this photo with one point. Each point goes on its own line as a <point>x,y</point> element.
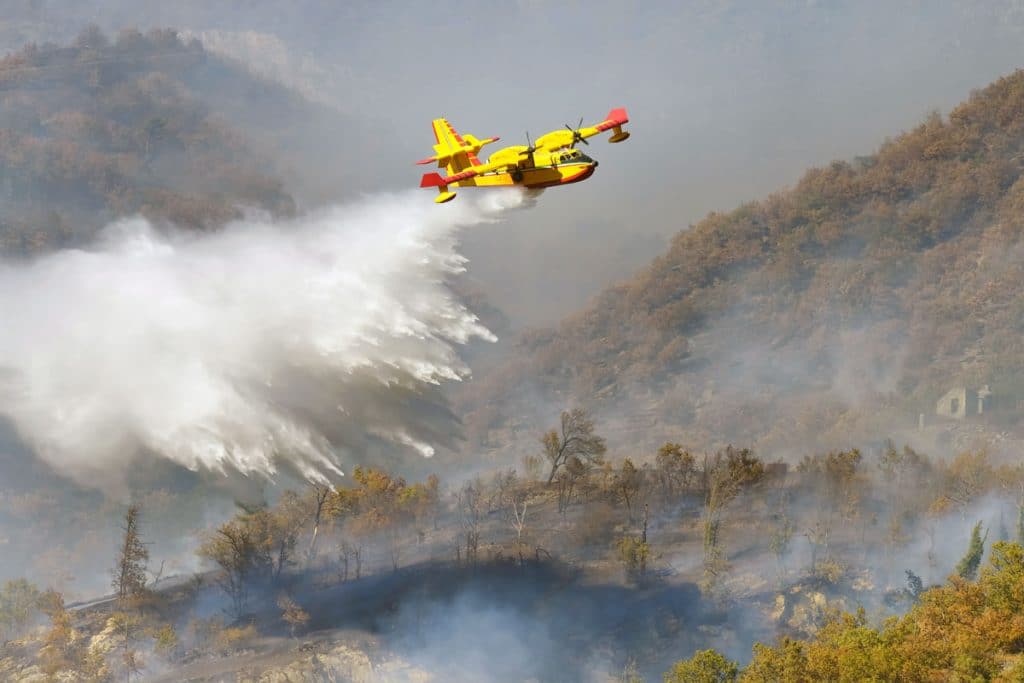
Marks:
<point>500,621</point>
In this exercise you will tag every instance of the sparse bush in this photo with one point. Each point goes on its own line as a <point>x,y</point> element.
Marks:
<point>166,642</point>
<point>292,614</point>
<point>634,553</point>
<point>829,571</point>
<point>233,638</point>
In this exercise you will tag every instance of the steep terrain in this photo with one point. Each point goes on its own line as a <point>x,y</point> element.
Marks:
<point>151,124</point>
<point>832,312</point>
<point>105,128</point>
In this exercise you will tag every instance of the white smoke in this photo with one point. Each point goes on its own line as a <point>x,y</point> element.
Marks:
<point>262,346</point>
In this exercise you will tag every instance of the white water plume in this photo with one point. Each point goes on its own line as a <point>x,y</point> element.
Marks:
<point>262,346</point>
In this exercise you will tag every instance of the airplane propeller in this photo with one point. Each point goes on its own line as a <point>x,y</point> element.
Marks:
<point>576,137</point>
<point>530,149</point>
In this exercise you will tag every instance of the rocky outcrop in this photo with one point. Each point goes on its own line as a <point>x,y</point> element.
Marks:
<point>341,664</point>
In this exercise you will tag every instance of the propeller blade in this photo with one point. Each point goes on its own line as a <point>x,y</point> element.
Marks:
<point>576,137</point>
<point>530,149</point>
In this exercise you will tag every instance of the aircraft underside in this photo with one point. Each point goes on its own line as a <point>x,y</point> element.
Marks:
<point>542,176</point>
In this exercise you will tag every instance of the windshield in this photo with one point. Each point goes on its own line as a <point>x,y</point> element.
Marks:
<point>573,155</point>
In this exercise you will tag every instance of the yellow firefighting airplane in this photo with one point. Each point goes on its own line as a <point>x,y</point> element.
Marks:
<point>552,160</point>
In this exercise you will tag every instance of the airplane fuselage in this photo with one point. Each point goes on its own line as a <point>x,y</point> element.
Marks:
<point>534,178</point>
<point>542,169</point>
<point>553,160</point>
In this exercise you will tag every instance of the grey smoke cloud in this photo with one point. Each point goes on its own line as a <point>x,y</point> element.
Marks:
<point>729,101</point>
<point>261,347</point>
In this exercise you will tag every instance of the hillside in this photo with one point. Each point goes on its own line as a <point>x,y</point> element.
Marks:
<point>104,128</point>
<point>152,124</point>
<point>838,309</point>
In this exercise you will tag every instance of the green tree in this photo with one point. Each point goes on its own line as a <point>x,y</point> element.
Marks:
<point>967,568</point>
<point>705,666</point>
<point>634,553</point>
<point>786,663</point>
<point>130,570</point>
<point>1003,581</point>
<point>725,476</point>
<point>915,587</point>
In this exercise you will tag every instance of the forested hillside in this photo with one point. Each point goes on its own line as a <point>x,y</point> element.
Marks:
<point>107,127</point>
<point>843,306</point>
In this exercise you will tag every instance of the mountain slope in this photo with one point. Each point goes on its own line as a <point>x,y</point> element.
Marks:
<point>150,123</point>
<point>840,308</point>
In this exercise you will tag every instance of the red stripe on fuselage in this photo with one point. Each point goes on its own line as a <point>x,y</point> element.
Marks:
<point>574,178</point>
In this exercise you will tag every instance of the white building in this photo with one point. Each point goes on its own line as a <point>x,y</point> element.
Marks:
<point>961,402</point>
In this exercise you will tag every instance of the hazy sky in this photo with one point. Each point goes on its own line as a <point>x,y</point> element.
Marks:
<point>728,100</point>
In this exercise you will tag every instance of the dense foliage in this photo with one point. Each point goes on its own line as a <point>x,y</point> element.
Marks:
<point>962,631</point>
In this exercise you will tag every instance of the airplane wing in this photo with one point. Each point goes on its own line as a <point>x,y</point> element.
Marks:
<point>454,151</point>
<point>560,139</point>
<point>457,154</point>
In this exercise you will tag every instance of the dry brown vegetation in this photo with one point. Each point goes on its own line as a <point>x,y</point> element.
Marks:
<point>104,128</point>
<point>912,252</point>
<point>784,552</point>
<point>832,310</point>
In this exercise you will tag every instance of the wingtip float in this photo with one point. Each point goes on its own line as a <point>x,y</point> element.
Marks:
<point>552,159</point>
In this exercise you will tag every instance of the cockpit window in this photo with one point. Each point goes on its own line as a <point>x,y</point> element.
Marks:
<point>574,155</point>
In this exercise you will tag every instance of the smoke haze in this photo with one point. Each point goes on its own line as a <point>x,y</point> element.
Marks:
<point>261,347</point>
<point>729,100</point>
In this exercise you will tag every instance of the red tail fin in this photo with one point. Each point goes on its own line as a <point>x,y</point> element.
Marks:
<point>432,180</point>
<point>618,116</point>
